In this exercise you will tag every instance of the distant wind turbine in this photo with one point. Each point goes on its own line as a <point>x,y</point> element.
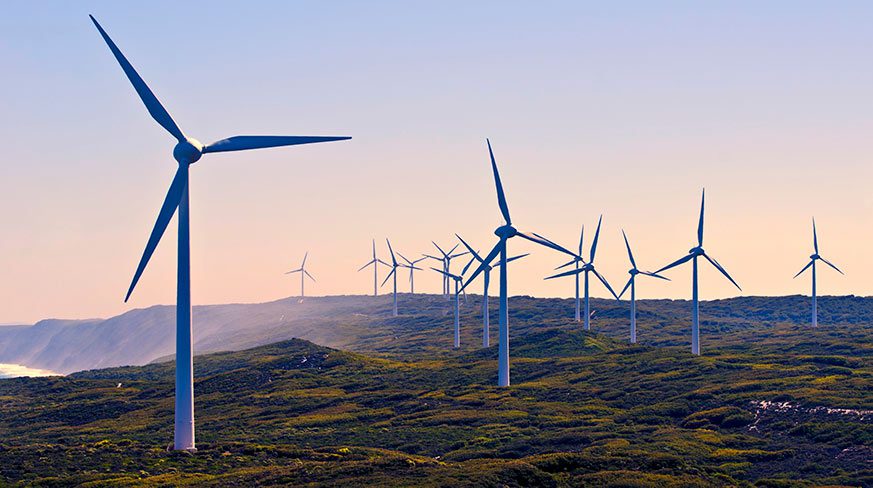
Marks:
<point>577,260</point>
<point>457,279</point>
<point>588,268</point>
<point>812,259</point>
<point>186,152</point>
<point>375,262</point>
<point>412,269</point>
<point>505,232</point>
<point>693,254</point>
<point>633,289</point>
<point>486,273</point>
<point>447,263</point>
<point>303,273</point>
<point>393,273</point>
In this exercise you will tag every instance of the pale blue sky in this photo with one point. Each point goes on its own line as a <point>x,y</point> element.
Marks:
<point>625,108</point>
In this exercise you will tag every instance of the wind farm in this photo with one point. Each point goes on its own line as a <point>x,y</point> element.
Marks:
<point>558,116</point>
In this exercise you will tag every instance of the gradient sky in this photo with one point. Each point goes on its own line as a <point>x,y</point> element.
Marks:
<point>624,108</point>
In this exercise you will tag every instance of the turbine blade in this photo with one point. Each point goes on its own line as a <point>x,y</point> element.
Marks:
<point>432,257</point>
<point>309,275</point>
<point>814,236</point>
<point>469,263</point>
<point>404,258</point>
<point>655,275</point>
<point>157,111</point>
<point>452,249</point>
<point>388,277</point>
<point>545,242</point>
<point>581,239</point>
<point>626,286</point>
<point>304,259</point>
<point>241,143</point>
<point>700,224</point>
<point>630,255</point>
<point>566,273</point>
<point>294,271</point>
<point>596,237</point>
<point>723,271</point>
<point>368,264</point>
<point>605,283</point>
<point>393,259</point>
<point>171,202</point>
<point>383,262</point>
<point>683,259</point>
<point>517,257</point>
<point>501,197</point>
<point>804,269</point>
<point>831,265</point>
<point>568,263</point>
<point>484,264</point>
<point>474,253</point>
<point>439,248</point>
<point>419,260</point>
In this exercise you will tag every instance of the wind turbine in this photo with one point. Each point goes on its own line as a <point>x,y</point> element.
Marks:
<point>505,232</point>
<point>393,273</point>
<point>303,273</point>
<point>486,273</point>
<point>412,269</point>
<point>577,260</point>
<point>812,259</point>
<point>186,152</point>
<point>375,263</point>
<point>457,279</point>
<point>447,262</point>
<point>587,268</point>
<point>633,288</point>
<point>693,254</point>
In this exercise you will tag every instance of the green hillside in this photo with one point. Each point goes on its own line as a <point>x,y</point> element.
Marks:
<point>768,404</point>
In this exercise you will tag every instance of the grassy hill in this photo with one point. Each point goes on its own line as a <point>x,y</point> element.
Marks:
<point>769,404</point>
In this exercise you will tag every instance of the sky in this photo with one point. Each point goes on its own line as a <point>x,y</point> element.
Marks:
<point>626,109</point>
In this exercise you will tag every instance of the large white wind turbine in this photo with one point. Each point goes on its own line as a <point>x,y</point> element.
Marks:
<point>457,279</point>
<point>693,254</point>
<point>587,268</point>
<point>486,273</point>
<point>375,262</point>
<point>505,232</point>
<point>303,273</point>
<point>186,152</point>
<point>632,283</point>
<point>393,273</point>
<point>812,259</point>
<point>412,269</point>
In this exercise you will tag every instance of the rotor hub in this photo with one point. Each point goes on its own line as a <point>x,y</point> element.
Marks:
<point>633,272</point>
<point>814,257</point>
<point>697,251</point>
<point>188,151</point>
<point>505,231</point>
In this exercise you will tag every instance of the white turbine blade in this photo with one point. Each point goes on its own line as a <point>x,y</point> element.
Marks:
<point>626,286</point>
<point>294,271</point>
<point>242,143</point>
<point>814,236</point>
<point>484,264</point>
<point>419,260</point>
<point>433,257</point>
<point>393,259</point>
<point>440,249</point>
<point>470,249</point>
<point>404,258</point>
<point>171,202</point>
<point>581,239</point>
<point>654,275</point>
<point>368,264</point>
<point>383,262</point>
<point>723,271</point>
<point>459,254</point>
<point>568,263</point>
<point>501,197</point>
<point>605,283</point>
<point>309,275</point>
<point>157,111</point>
<point>545,242</point>
<point>304,260</point>
<point>452,250</point>
<point>469,263</point>
<point>804,268</point>
<point>596,237</point>
<point>630,255</point>
<point>831,265</point>
<point>566,273</point>
<point>683,259</point>
<point>388,277</point>
<point>700,224</point>
<point>513,258</point>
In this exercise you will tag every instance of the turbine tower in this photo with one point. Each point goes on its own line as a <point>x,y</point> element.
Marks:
<point>412,269</point>
<point>303,273</point>
<point>393,273</point>
<point>812,259</point>
<point>504,233</point>
<point>633,288</point>
<point>486,273</point>
<point>186,152</point>
<point>457,279</point>
<point>375,262</point>
<point>588,268</point>
<point>693,254</point>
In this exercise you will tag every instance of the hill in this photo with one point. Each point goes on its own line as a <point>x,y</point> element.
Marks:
<point>790,408</point>
<point>364,324</point>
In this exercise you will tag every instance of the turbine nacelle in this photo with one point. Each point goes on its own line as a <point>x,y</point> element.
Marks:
<point>696,251</point>
<point>505,231</point>
<point>188,151</point>
<point>633,271</point>
<point>814,256</point>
